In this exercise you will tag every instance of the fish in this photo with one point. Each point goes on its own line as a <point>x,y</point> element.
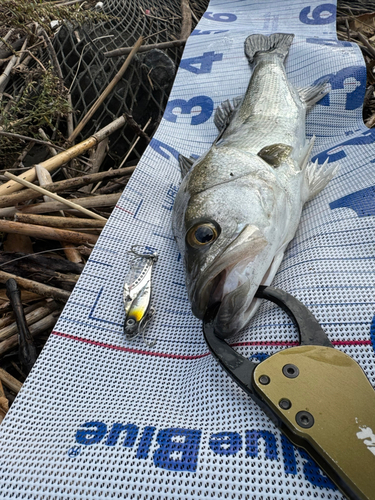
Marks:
<point>239,205</point>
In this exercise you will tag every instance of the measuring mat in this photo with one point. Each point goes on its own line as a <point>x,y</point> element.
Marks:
<point>104,416</point>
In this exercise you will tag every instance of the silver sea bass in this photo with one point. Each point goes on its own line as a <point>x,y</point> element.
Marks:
<point>239,204</point>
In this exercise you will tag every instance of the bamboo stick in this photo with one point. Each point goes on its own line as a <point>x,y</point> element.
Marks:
<point>65,156</point>
<point>58,222</point>
<point>29,194</point>
<point>31,318</point>
<point>38,288</point>
<point>107,91</point>
<point>47,233</point>
<point>54,196</point>
<point>9,381</point>
<point>38,327</point>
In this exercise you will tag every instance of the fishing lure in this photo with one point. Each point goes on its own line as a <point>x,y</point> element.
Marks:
<point>137,294</point>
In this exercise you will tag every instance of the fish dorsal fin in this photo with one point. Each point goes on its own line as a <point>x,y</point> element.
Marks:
<point>275,154</point>
<point>225,111</point>
<point>311,94</point>
<point>185,164</point>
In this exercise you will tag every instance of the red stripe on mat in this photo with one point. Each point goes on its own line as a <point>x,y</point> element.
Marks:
<point>128,349</point>
<point>124,210</point>
<point>196,356</point>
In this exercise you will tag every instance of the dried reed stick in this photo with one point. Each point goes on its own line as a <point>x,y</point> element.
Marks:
<point>54,196</point>
<point>65,156</point>
<point>47,233</point>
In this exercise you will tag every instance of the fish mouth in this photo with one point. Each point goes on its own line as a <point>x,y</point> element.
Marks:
<point>231,280</point>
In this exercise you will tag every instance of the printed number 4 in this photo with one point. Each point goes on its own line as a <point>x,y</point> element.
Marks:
<point>205,61</point>
<point>319,14</point>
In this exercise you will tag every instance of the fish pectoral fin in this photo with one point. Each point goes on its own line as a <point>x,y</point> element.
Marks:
<point>318,176</point>
<point>185,164</point>
<point>224,113</point>
<point>311,94</point>
<point>275,154</point>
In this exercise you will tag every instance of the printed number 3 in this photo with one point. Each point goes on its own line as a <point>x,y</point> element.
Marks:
<point>204,102</point>
<point>315,17</point>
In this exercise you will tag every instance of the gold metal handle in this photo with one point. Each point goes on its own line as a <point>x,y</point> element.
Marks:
<point>327,406</point>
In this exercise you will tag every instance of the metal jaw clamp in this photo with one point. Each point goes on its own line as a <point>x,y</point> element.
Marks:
<point>318,396</point>
<point>137,294</point>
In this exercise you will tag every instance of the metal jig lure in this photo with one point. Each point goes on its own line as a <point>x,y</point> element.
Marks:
<point>137,294</point>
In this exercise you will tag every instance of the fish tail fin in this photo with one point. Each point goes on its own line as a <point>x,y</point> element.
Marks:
<point>277,43</point>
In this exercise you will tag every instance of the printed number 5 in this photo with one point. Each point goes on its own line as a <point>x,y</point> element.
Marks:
<point>316,17</point>
<point>205,103</point>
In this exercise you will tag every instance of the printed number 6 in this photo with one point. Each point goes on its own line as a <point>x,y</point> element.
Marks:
<point>316,17</point>
<point>224,17</point>
<point>205,103</point>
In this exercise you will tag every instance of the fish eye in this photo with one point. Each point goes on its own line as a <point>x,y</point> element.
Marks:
<point>202,234</point>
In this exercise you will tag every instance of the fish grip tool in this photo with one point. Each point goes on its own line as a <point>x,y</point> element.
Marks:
<point>318,396</point>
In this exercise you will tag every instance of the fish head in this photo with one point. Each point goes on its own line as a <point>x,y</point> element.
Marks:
<point>227,230</point>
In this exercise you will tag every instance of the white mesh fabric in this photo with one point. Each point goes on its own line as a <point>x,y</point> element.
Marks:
<point>102,417</point>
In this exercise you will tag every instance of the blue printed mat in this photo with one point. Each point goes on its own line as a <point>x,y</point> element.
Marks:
<point>101,417</point>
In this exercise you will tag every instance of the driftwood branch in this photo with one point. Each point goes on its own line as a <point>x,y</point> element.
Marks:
<point>27,353</point>
<point>10,382</point>
<point>38,288</point>
<point>107,91</point>
<point>60,222</point>
<point>65,156</point>
<point>366,43</point>
<point>4,404</point>
<point>7,320</point>
<point>31,318</point>
<point>137,129</point>
<point>163,45</point>
<point>186,19</point>
<point>34,260</point>
<point>47,233</point>
<point>42,208</point>
<point>30,194</point>
<point>54,196</point>
<point>35,330</point>
<point>36,272</point>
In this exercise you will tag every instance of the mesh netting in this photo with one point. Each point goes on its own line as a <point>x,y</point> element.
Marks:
<point>144,89</point>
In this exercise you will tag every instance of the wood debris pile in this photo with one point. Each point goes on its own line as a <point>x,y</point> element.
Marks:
<point>55,195</point>
<point>355,23</point>
<point>52,213</point>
